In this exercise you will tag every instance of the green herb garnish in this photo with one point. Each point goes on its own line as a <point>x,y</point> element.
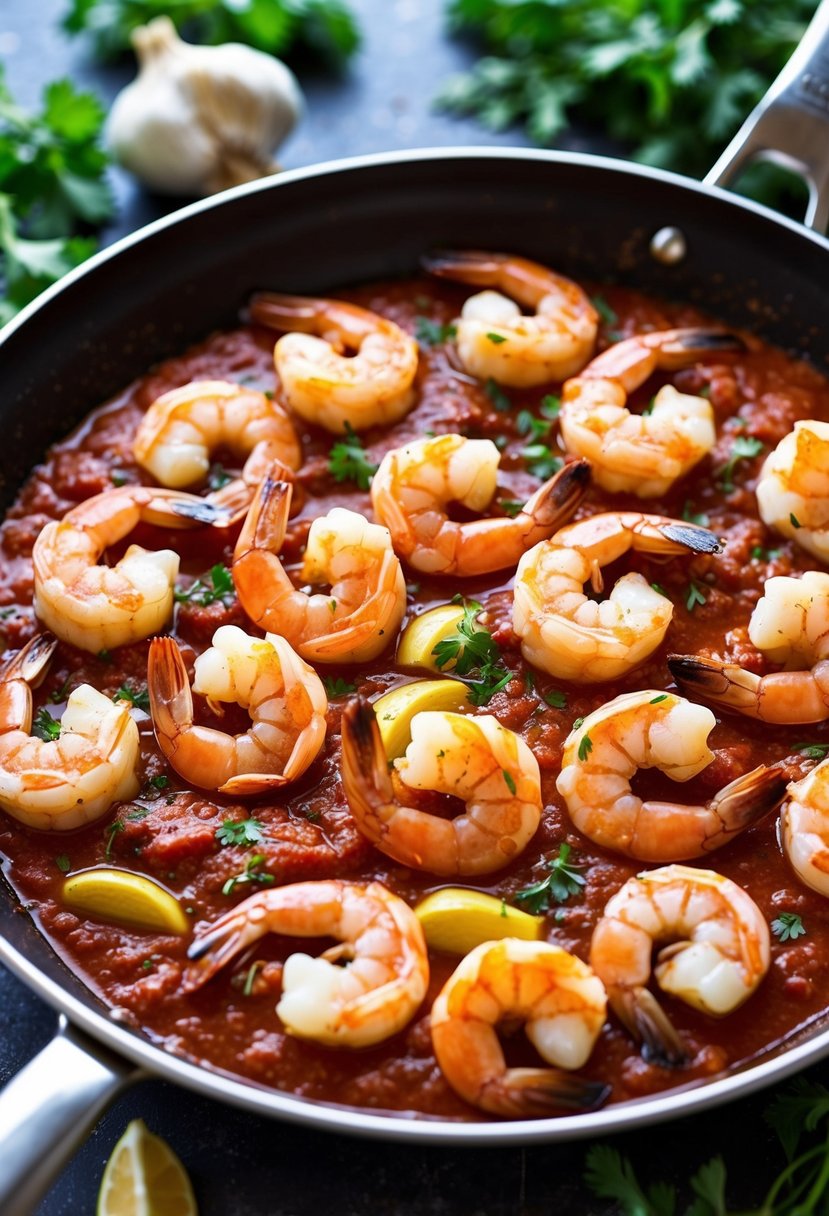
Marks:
<point>45,727</point>
<point>564,880</point>
<point>432,333</point>
<point>337,687</point>
<point>694,517</point>
<point>472,649</point>
<point>244,832</point>
<point>585,747</point>
<point>497,396</point>
<point>63,863</point>
<point>496,339</point>
<point>252,873</point>
<point>140,699</point>
<point>110,833</point>
<point>694,596</point>
<point>219,589</point>
<point>217,477</point>
<point>347,461</point>
<point>555,698</point>
<point>604,310</point>
<point>743,448</point>
<point>788,927</point>
<point>541,461</point>
<point>814,751</point>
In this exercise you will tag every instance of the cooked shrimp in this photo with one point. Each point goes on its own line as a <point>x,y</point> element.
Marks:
<point>655,729</point>
<point>66,782</point>
<point>100,607</point>
<point>637,453</point>
<point>717,956</point>
<point>488,767</point>
<point>183,428</point>
<point>370,998</point>
<point>562,1005</point>
<point>495,341</point>
<point>371,387</point>
<point>284,697</point>
<point>572,636</point>
<point>793,490</point>
<point>361,613</point>
<point>414,485</point>
<point>804,828</point>
<point>790,625</point>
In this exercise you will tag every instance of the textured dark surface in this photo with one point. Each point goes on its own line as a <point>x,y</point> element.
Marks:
<point>243,1165</point>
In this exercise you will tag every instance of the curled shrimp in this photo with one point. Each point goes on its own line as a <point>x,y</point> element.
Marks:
<point>718,951</point>
<point>562,1004</point>
<point>360,614</point>
<point>100,607</point>
<point>488,767</point>
<point>576,638</point>
<point>637,453</point>
<point>655,729</point>
<point>370,387</point>
<point>73,779</point>
<point>183,428</point>
<point>284,697</point>
<point>793,490</point>
<point>790,625</point>
<point>371,997</point>
<point>415,484</point>
<point>495,341</point>
<point>804,828</point>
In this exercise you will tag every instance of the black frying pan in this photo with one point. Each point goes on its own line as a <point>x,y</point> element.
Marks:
<point>312,231</point>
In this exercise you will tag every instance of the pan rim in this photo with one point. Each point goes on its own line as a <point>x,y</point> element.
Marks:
<point>157,1062</point>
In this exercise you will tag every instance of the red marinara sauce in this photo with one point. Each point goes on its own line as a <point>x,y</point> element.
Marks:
<point>169,831</point>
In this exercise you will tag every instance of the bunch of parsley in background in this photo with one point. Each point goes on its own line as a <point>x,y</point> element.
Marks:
<point>53,190</point>
<point>325,28</point>
<point>669,80</point>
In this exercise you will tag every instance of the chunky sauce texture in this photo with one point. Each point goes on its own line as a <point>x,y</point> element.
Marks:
<point>169,832</point>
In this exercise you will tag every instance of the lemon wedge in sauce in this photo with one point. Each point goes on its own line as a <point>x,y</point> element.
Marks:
<point>421,636</point>
<point>457,920</point>
<point>395,709</point>
<point>128,899</point>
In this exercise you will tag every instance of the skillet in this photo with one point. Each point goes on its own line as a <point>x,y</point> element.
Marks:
<point>312,231</point>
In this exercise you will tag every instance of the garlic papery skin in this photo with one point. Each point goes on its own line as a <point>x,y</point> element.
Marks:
<point>198,119</point>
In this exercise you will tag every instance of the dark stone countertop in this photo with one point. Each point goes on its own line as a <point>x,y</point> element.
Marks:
<point>241,1164</point>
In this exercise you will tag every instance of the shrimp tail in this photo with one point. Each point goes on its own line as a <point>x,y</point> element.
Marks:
<point>726,683</point>
<point>677,347</point>
<point>203,511</point>
<point>31,661</point>
<point>692,537</point>
<point>528,1092</point>
<point>746,800</point>
<point>365,771</point>
<point>468,265</point>
<point>274,310</point>
<point>171,702</point>
<point>252,785</point>
<point>557,499</point>
<point>264,528</point>
<point>213,949</point>
<point>639,1010</point>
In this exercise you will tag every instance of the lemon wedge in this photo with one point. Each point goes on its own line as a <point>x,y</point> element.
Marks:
<point>396,709</point>
<point>129,899</point>
<point>421,636</point>
<point>144,1177</point>
<point>457,920</point>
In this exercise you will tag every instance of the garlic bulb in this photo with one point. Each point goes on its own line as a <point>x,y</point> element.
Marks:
<point>198,119</point>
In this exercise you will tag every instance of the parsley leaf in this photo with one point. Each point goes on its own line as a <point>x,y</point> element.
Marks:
<point>337,687</point>
<point>45,727</point>
<point>252,873</point>
<point>347,461</point>
<point>693,517</point>
<point>813,751</point>
<point>110,833</point>
<point>541,461</point>
<point>243,832</point>
<point>496,339</point>
<point>217,477</point>
<point>604,310</point>
<point>140,699</point>
<point>585,747</point>
<point>220,589</point>
<point>695,595</point>
<point>788,927</point>
<point>565,879</point>
<point>63,863</point>
<point>432,333</point>
<point>473,649</point>
<point>743,448</point>
<point>324,28</point>
<point>556,699</point>
<point>497,396</point>
<point>511,507</point>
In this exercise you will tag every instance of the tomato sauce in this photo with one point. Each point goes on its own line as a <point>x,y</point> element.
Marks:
<point>169,831</point>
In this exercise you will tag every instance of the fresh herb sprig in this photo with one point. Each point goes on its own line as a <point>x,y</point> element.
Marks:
<point>326,28</point>
<point>240,832</point>
<point>219,589</point>
<point>252,873</point>
<point>432,333</point>
<point>744,447</point>
<point>347,461</point>
<point>139,698</point>
<point>45,727</point>
<point>565,879</point>
<point>473,650</point>
<point>801,1188</point>
<point>788,926</point>
<point>671,82</point>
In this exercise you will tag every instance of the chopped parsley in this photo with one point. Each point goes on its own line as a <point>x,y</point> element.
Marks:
<point>242,833</point>
<point>550,406</point>
<point>743,448</point>
<point>63,863</point>
<point>556,698</point>
<point>794,521</point>
<point>253,970</point>
<point>577,723</point>
<point>496,339</point>
<point>217,477</point>
<point>693,517</point>
<point>160,782</point>
<point>497,396</point>
<point>565,879</point>
<point>140,699</point>
<point>46,727</point>
<point>252,873</point>
<point>511,507</point>
<point>347,461</point>
<point>110,833</point>
<point>694,596</point>
<point>432,333</point>
<point>663,696</point>
<point>788,927</point>
<point>813,751</point>
<point>759,554</point>
<point>509,780</point>
<point>660,590</point>
<point>118,477</point>
<point>219,589</point>
<point>473,650</point>
<point>526,423</point>
<point>541,460</point>
<point>585,748</point>
<point>60,694</point>
<point>604,310</point>
<point>337,687</point>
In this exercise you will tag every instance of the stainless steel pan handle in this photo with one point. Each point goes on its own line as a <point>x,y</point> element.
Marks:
<point>47,1110</point>
<point>790,126</point>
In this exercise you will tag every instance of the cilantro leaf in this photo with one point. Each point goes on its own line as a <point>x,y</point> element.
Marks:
<point>473,650</point>
<point>252,873</point>
<point>432,333</point>
<point>609,1175</point>
<point>220,589</point>
<point>243,832</point>
<point>788,927</point>
<point>45,727</point>
<point>347,461</point>
<point>813,751</point>
<point>337,687</point>
<point>743,448</point>
<point>565,879</point>
<point>541,461</point>
<point>140,699</point>
<point>695,595</point>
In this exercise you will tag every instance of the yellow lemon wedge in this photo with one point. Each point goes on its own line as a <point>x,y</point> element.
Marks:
<point>144,1177</point>
<point>396,709</point>
<point>421,636</point>
<point>457,920</point>
<point>129,899</point>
